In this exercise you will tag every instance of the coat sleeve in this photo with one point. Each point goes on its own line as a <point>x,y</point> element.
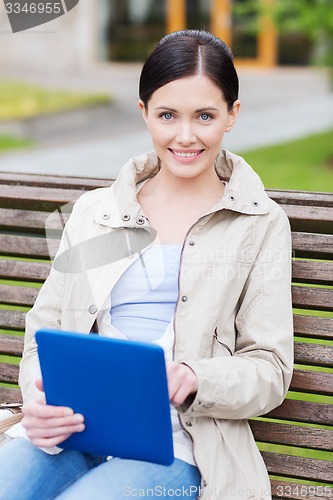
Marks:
<point>255,379</point>
<point>46,313</point>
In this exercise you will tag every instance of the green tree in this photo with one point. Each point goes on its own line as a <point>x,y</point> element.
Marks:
<point>313,18</point>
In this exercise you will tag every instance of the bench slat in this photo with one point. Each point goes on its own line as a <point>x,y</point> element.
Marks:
<point>303,411</point>
<point>298,467</point>
<point>312,298</point>
<point>22,246</point>
<point>46,181</point>
<point>36,198</point>
<point>313,354</point>
<point>30,221</point>
<point>304,198</point>
<point>313,382</point>
<point>307,271</point>
<point>310,219</point>
<point>10,395</point>
<point>298,491</point>
<point>18,295</point>
<point>9,373</point>
<point>12,320</point>
<point>11,344</point>
<point>314,246</point>
<point>313,327</point>
<point>24,270</point>
<point>26,220</point>
<point>292,435</point>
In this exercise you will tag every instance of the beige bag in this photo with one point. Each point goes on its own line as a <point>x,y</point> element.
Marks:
<point>10,414</point>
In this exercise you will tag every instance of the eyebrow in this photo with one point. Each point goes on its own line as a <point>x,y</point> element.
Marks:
<point>200,110</point>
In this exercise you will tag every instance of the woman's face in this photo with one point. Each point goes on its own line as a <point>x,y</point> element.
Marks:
<point>187,119</point>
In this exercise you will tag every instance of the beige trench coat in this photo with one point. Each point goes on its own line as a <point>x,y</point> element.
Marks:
<point>233,319</point>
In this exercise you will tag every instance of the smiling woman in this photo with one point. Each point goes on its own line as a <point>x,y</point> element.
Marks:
<point>211,286</point>
<point>187,133</point>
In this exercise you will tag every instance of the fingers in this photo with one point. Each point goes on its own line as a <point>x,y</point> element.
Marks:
<point>47,425</point>
<point>182,382</point>
<point>39,384</point>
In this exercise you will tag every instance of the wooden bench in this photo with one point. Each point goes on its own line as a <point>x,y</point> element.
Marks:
<point>296,439</point>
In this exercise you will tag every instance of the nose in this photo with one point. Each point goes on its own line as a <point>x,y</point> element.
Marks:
<point>185,133</point>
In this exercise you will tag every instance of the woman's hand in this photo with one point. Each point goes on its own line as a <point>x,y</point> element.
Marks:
<point>47,425</point>
<point>182,382</point>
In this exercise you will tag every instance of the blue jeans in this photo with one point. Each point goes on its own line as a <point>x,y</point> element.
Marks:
<point>27,473</point>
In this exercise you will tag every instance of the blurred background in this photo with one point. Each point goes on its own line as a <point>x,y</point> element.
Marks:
<point>69,88</point>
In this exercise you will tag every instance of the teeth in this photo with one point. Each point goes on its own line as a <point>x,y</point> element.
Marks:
<point>186,155</point>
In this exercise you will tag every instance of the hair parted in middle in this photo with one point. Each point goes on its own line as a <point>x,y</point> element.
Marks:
<point>188,53</point>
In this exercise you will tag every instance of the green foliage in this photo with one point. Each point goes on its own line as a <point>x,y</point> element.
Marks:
<point>20,100</point>
<point>311,17</point>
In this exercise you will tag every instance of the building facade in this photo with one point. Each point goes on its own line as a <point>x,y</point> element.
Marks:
<point>125,30</point>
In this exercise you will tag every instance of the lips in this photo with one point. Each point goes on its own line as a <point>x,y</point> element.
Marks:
<point>189,154</point>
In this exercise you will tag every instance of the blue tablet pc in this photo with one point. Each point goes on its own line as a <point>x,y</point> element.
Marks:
<point>119,386</point>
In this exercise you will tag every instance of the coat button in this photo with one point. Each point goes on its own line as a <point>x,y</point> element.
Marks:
<point>126,217</point>
<point>204,483</point>
<point>140,221</point>
<point>184,298</point>
<point>105,216</point>
<point>92,309</point>
<point>255,203</point>
<point>191,243</point>
<point>188,423</point>
<point>232,198</point>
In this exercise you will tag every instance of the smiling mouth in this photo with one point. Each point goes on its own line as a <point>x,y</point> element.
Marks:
<point>186,154</point>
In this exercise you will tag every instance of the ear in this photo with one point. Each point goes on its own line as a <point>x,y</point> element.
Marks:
<point>144,111</point>
<point>232,115</point>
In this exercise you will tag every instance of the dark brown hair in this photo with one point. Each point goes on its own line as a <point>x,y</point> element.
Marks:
<point>187,53</point>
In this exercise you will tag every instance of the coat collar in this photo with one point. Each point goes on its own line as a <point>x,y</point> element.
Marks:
<point>245,192</point>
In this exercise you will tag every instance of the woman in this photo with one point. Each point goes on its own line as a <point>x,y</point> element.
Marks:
<point>213,288</point>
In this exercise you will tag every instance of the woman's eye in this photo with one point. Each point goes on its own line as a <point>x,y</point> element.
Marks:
<point>205,117</point>
<point>166,116</point>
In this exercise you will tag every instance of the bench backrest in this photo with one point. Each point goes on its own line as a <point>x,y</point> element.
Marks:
<point>296,439</point>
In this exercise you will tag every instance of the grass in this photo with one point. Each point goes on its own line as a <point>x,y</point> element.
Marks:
<point>304,164</point>
<point>20,100</point>
<point>8,143</point>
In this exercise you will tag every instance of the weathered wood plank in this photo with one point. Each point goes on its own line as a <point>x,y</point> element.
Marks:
<point>24,270</point>
<point>36,198</point>
<point>304,198</point>
<point>313,354</point>
<point>303,411</point>
<point>10,395</point>
<point>313,327</point>
<point>314,272</point>
<point>18,295</point>
<point>310,219</point>
<point>12,320</point>
<point>11,345</point>
<point>313,246</point>
<point>29,221</point>
<point>24,246</point>
<point>313,382</point>
<point>312,298</point>
<point>292,435</point>
<point>49,181</point>
<point>298,467</point>
<point>9,373</point>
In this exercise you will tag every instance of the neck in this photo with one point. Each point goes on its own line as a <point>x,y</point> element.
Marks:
<point>167,185</point>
